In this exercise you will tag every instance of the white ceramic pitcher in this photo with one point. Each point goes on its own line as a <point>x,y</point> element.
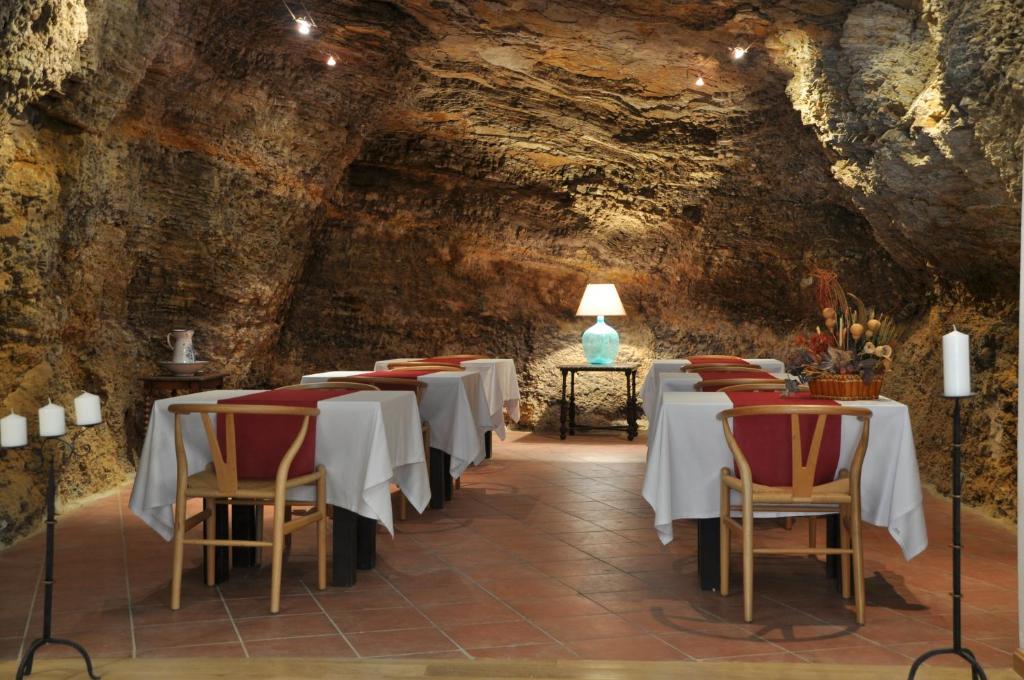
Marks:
<point>184,352</point>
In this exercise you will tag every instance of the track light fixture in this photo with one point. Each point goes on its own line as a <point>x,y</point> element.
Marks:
<point>300,15</point>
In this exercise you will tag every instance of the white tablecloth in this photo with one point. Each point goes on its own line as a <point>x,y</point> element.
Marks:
<point>500,382</point>
<point>650,390</point>
<point>455,404</point>
<point>687,452</point>
<point>365,440</point>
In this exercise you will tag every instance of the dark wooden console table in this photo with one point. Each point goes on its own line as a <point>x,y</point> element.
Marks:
<point>568,406</point>
<point>159,386</point>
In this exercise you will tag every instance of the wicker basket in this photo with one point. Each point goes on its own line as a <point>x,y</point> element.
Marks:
<point>845,387</point>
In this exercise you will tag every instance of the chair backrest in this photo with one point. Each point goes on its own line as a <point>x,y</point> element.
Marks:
<point>386,384</point>
<point>460,357</point>
<point>732,368</point>
<point>422,366</point>
<point>803,470</point>
<point>716,385</point>
<point>345,384</point>
<point>225,463</point>
<point>762,386</point>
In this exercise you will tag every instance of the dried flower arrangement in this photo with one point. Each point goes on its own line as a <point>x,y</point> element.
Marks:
<point>849,356</point>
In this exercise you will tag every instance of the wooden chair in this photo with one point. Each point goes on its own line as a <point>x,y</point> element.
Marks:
<point>762,386</point>
<point>729,368</point>
<point>421,366</point>
<point>332,385</point>
<point>717,385</point>
<point>842,494</point>
<point>219,484</point>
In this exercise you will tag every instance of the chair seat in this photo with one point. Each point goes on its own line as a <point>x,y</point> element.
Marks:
<point>204,485</point>
<point>836,491</point>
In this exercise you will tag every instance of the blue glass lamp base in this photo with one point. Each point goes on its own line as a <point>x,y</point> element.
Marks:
<point>600,343</point>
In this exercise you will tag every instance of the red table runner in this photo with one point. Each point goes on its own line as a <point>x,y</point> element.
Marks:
<point>705,359</point>
<point>261,441</point>
<point>766,440</point>
<point>732,375</point>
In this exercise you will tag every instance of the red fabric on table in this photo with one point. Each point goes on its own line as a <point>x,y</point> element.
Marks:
<point>261,441</point>
<point>732,375</point>
<point>396,373</point>
<point>766,442</point>
<point>735,361</point>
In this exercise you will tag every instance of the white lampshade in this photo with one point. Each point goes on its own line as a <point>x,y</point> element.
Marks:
<point>600,299</point>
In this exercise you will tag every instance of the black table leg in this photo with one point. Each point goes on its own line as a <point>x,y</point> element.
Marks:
<point>488,444</point>
<point>832,541</point>
<point>366,543</point>
<point>449,481</point>
<point>572,402</point>
<point>563,407</point>
<point>708,543</point>
<point>243,526</point>
<point>344,539</point>
<point>438,472</point>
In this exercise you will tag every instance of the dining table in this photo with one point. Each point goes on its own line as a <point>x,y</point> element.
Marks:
<point>455,405</point>
<point>650,389</point>
<point>366,441</point>
<point>680,381</point>
<point>687,451</point>
<point>499,380</point>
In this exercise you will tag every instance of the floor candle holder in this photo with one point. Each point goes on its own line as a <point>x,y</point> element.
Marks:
<point>977,672</point>
<point>55,460</point>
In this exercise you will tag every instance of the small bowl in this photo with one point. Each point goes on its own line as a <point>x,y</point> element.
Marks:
<point>185,369</point>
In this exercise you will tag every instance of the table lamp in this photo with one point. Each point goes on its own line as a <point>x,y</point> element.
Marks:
<point>600,341</point>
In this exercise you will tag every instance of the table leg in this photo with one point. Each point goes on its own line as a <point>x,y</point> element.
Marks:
<point>488,444</point>
<point>366,543</point>
<point>832,538</point>
<point>449,481</point>
<point>344,538</point>
<point>708,565</point>
<point>563,407</point>
<point>437,474</point>
<point>572,402</point>
<point>243,526</point>
<point>631,428</point>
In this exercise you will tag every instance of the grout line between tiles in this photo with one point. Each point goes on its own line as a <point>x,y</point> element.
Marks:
<point>424,615</point>
<point>231,619</point>
<point>127,579</point>
<point>28,619</point>
<point>331,619</point>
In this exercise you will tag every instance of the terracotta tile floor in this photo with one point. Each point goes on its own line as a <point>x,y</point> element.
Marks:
<point>546,552</point>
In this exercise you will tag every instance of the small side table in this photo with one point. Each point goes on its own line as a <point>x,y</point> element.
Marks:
<point>158,386</point>
<point>568,407</point>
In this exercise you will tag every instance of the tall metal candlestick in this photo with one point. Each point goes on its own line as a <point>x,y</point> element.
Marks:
<point>977,673</point>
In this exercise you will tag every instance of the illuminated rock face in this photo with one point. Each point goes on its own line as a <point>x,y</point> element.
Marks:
<point>466,168</point>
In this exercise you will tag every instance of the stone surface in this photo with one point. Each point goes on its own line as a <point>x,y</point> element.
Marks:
<point>467,167</point>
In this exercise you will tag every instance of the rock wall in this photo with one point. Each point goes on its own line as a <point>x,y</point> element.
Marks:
<point>466,168</point>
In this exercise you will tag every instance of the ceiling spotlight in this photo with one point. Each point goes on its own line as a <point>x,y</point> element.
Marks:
<point>739,52</point>
<point>300,15</point>
<point>699,82</point>
<point>331,61</point>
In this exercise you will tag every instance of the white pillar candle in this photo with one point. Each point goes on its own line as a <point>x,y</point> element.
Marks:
<point>956,364</point>
<point>87,409</point>
<point>51,421</point>
<point>13,431</point>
